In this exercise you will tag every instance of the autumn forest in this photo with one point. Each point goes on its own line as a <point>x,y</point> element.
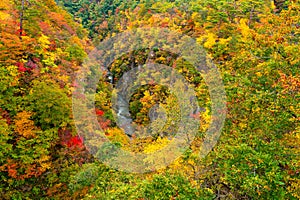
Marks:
<point>150,99</point>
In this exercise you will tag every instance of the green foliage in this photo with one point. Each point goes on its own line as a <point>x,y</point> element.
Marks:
<point>254,43</point>
<point>254,172</point>
<point>110,184</point>
<point>254,47</point>
<point>76,53</point>
<point>35,105</point>
<point>9,82</point>
<point>50,105</point>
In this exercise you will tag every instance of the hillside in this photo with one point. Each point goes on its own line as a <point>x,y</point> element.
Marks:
<point>47,52</point>
<point>37,65</point>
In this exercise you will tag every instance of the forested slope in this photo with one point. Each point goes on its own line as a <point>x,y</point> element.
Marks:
<point>254,44</point>
<point>37,64</point>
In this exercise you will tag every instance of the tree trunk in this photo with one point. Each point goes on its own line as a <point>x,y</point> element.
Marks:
<point>21,17</point>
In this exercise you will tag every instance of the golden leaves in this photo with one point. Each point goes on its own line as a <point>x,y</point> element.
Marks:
<point>44,42</point>
<point>209,38</point>
<point>244,28</point>
<point>4,5</point>
<point>294,188</point>
<point>4,16</point>
<point>24,126</point>
<point>157,145</point>
<point>44,162</point>
<point>117,135</point>
<point>289,83</point>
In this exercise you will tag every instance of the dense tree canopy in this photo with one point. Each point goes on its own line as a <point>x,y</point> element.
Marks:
<point>253,43</point>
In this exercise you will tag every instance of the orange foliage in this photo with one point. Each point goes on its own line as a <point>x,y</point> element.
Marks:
<point>23,125</point>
